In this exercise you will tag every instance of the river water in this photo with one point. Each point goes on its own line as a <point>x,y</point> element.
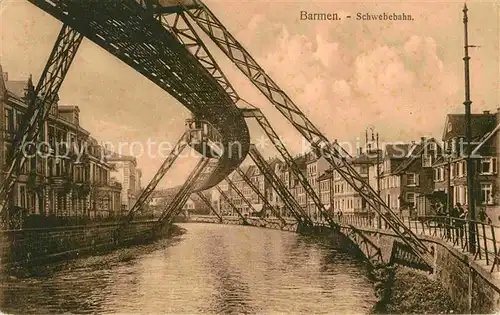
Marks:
<point>209,269</point>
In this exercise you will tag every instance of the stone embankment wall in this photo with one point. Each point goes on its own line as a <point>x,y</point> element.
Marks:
<point>33,246</point>
<point>471,287</point>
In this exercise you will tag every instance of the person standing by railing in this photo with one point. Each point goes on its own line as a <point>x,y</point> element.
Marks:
<point>483,216</point>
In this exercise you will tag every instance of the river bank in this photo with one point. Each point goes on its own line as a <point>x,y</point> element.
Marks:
<point>410,291</point>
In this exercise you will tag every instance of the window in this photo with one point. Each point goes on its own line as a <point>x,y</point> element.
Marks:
<point>410,199</point>
<point>488,166</point>
<point>486,193</point>
<point>9,120</point>
<point>411,179</point>
<point>427,160</point>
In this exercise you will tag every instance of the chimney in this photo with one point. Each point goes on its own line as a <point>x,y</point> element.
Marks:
<point>486,112</point>
<point>422,139</point>
<point>360,150</point>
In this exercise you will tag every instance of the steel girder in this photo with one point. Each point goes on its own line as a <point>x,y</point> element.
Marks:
<point>259,193</point>
<point>285,195</point>
<point>167,164</point>
<point>228,200</point>
<point>180,198</point>
<point>239,193</point>
<point>278,144</point>
<point>333,153</point>
<point>209,204</point>
<point>177,22</point>
<point>131,33</point>
<point>40,103</point>
<point>179,25</point>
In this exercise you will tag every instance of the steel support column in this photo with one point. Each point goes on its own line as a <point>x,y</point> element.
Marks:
<point>278,144</point>
<point>260,195</point>
<point>175,206</point>
<point>333,153</point>
<point>285,195</point>
<point>209,204</point>
<point>226,198</point>
<point>40,104</point>
<point>167,164</point>
<point>239,193</point>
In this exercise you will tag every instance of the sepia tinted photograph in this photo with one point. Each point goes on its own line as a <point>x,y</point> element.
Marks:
<point>249,157</point>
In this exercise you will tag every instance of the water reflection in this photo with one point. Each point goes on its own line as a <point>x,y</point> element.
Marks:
<point>210,269</point>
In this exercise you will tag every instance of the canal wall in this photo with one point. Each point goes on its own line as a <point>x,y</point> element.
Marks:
<point>35,246</point>
<point>471,287</point>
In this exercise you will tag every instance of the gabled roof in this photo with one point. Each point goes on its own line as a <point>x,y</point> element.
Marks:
<point>480,123</point>
<point>486,138</point>
<point>415,152</point>
<point>364,159</point>
<point>397,151</point>
<point>17,88</point>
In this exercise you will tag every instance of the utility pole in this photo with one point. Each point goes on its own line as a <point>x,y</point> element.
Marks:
<point>375,138</point>
<point>468,135</point>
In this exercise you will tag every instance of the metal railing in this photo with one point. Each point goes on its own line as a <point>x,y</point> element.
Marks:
<point>452,230</point>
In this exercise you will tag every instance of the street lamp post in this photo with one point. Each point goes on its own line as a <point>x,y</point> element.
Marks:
<point>468,135</point>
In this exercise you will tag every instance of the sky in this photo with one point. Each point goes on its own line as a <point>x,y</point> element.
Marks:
<point>399,77</point>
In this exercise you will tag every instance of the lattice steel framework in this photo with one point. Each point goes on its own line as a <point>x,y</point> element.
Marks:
<point>126,30</point>
<point>333,153</point>
<point>285,195</point>
<point>240,194</point>
<point>178,23</point>
<point>40,103</point>
<point>260,195</point>
<point>209,204</point>
<point>278,144</point>
<point>180,198</point>
<point>167,164</point>
<point>230,203</point>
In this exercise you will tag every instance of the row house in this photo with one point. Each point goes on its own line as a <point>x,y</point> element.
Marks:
<point>450,171</point>
<point>66,176</point>
<point>406,174</point>
<point>390,183</point>
<point>344,197</point>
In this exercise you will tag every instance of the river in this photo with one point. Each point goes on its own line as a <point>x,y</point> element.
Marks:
<point>209,269</point>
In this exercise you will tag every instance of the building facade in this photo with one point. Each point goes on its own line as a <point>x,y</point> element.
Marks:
<point>66,176</point>
<point>450,171</point>
<point>125,171</point>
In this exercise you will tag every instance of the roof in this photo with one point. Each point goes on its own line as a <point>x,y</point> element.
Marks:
<point>486,138</point>
<point>397,150</point>
<point>326,175</point>
<point>480,123</point>
<point>236,176</point>
<point>68,108</point>
<point>415,152</point>
<point>17,88</point>
<point>364,159</point>
<point>300,161</point>
<point>113,156</point>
